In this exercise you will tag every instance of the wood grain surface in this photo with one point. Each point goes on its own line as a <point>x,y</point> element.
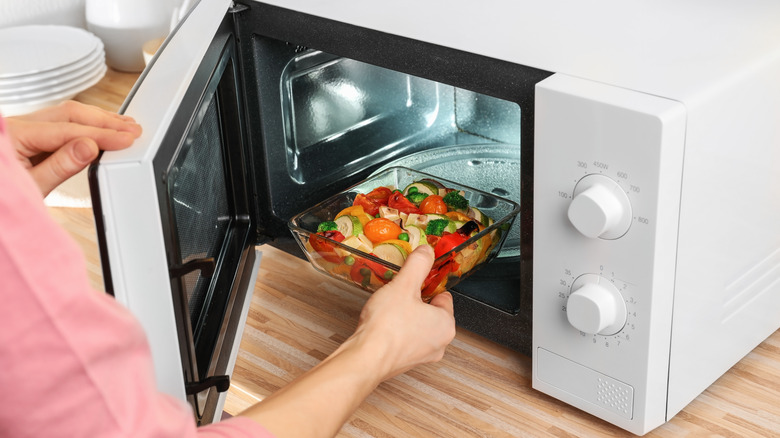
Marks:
<point>480,389</point>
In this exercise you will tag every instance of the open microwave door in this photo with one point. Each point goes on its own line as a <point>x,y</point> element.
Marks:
<point>174,212</point>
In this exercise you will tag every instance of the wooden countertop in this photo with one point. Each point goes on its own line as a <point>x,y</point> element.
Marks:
<point>479,389</point>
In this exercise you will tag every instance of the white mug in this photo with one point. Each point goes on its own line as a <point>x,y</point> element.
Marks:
<point>125,25</point>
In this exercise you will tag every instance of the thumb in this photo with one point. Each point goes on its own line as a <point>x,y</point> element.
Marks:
<point>415,269</point>
<point>63,163</point>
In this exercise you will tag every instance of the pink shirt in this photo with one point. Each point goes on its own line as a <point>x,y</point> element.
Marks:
<point>73,362</point>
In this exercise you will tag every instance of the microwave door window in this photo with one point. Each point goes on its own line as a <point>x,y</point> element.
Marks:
<point>206,208</point>
<point>201,212</point>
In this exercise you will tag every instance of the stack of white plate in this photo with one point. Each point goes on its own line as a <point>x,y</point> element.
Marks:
<point>42,65</point>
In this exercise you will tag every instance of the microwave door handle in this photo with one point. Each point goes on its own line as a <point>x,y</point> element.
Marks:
<point>206,266</point>
<point>222,383</point>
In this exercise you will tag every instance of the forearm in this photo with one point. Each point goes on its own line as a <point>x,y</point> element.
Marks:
<point>318,403</point>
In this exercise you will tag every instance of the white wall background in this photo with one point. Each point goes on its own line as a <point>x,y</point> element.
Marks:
<point>20,12</point>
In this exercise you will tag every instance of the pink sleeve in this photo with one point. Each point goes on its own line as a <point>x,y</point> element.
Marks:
<point>73,362</point>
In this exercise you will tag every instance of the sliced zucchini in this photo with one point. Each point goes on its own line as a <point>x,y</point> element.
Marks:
<point>440,189</point>
<point>454,226</point>
<point>391,252</point>
<point>421,187</point>
<point>480,217</point>
<point>349,225</point>
<point>417,236</point>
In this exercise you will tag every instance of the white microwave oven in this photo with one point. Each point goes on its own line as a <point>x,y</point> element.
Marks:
<point>640,139</point>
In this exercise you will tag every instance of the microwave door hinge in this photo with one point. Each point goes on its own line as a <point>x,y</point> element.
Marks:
<point>206,266</point>
<point>222,383</point>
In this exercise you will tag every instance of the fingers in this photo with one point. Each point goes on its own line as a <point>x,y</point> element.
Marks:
<point>64,163</point>
<point>75,112</point>
<point>444,301</point>
<point>39,137</point>
<point>415,269</point>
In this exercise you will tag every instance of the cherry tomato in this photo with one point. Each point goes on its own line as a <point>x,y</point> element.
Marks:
<point>325,248</point>
<point>370,206</point>
<point>398,201</point>
<point>433,204</point>
<point>447,242</point>
<point>380,195</point>
<point>381,229</point>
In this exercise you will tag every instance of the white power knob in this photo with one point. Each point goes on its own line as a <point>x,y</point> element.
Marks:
<point>600,208</point>
<point>596,306</point>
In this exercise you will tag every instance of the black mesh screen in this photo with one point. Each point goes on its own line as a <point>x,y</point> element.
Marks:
<point>200,204</point>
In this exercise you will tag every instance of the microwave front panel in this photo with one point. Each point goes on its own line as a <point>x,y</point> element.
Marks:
<point>606,219</point>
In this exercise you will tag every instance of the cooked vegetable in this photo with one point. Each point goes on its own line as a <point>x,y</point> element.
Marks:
<point>359,242</point>
<point>456,201</point>
<point>391,252</point>
<point>416,236</point>
<point>380,229</point>
<point>358,211</point>
<point>398,201</point>
<point>440,189</point>
<point>389,213</point>
<point>389,224</point>
<point>323,247</point>
<point>349,225</point>
<point>327,226</point>
<point>433,204</point>
<point>468,228</point>
<point>421,187</point>
<point>370,206</point>
<point>480,217</point>
<point>448,242</point>
<point>416,197</point>
<point>380,195</point>
<point>451,224</point>
<point>457,216</point>
<point>436,227</point>
<point>420,220</point>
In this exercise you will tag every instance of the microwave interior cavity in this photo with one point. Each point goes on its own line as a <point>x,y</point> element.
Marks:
<point>342,118</point>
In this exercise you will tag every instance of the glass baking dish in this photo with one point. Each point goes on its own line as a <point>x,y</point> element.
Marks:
<point>367,271</point>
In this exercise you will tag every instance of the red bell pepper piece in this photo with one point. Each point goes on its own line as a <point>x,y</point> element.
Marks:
<point>398,201</point>
<point>325,248</point>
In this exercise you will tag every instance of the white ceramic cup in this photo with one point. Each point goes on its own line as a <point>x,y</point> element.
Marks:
<point>125,25</point>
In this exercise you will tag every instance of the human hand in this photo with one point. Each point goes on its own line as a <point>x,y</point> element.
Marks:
<point>396,332</point>
<point>56,143</point>
<point>405,330</point>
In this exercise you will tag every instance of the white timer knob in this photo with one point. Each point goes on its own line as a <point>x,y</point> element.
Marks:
<point>596,306</point>
<point>600,208</point>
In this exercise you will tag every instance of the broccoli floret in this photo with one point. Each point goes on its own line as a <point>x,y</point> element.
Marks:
<point>436,226</point>
<point>455,201</point>
<point>416,197</point>
<point>327,226</point>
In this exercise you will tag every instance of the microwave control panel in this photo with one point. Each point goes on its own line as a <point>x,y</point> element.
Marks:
<point>607,181</point>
